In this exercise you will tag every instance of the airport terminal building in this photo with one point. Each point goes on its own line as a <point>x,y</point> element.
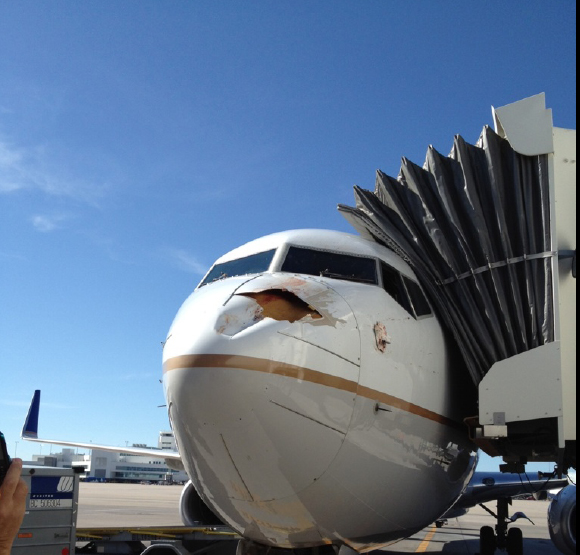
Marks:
<point>117,467</point>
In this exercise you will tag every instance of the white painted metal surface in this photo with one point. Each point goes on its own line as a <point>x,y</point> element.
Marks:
<point>565,206</point>
<point>527,125</point>
<point>524,387</point>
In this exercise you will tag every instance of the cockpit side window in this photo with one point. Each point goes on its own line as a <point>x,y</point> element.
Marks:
<point>394,286</point>
<point>405,291</point>
<point>420,303</point>
<point>302,260</point>
<point>253,264</point>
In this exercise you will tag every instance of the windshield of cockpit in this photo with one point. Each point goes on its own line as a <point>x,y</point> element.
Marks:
<point>302,260</point>
<point>253,264</point>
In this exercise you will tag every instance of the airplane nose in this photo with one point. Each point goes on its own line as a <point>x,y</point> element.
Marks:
<point>260,378</point>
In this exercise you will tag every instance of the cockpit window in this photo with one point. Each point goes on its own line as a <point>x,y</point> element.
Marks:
<point>253,264</point>
<point>420,303</point>
<point>405,291</point>
<point>300,260</point>
<point>394,286</point>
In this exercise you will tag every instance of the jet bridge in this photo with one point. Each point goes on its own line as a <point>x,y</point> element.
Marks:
<point>490,231</point>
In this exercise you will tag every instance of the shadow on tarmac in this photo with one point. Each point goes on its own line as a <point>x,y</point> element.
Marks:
<point>471,547</point>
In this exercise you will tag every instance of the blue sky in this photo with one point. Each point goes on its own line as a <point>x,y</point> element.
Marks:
<point>140,140</point>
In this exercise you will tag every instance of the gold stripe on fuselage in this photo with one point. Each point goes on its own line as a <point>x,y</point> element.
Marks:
<point>300,373</point>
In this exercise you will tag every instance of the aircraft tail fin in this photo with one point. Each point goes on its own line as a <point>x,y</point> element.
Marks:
<point>30,429</point>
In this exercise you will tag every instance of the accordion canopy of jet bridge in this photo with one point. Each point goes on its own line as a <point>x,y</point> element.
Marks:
<point>477,227</point>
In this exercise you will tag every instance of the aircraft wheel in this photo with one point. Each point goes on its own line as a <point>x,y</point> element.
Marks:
<point>515,542</point>
<point>487,541</point>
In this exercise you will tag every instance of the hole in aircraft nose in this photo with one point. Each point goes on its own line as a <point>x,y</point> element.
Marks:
<point>283,305</point>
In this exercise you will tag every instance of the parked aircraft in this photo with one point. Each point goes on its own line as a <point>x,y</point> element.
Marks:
<point>317,404</point>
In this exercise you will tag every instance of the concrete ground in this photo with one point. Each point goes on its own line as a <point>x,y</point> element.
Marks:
<point>115,505</point>
<point>461,535</point>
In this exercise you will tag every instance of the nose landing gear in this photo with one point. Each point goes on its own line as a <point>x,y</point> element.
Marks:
<point>511,540</point>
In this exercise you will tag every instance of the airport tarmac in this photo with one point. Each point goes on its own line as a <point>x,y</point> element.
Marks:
<point>130,505</point>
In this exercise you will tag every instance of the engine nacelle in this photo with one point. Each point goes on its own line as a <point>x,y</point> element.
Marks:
<point>193,511</point>
<point>562,520</point>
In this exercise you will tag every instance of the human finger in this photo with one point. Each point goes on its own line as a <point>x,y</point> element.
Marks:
<point>12,478</point>
<point>21,492</point>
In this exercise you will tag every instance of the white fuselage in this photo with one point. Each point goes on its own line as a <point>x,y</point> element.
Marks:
<point>315,409</point>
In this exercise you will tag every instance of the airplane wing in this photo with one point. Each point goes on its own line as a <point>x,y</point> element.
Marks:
<point>491,486</point>
<point>30,433</point>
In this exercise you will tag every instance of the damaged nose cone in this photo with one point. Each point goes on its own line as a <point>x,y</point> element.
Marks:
<point>237,316</point>
<point>261,376</point>
<point>246,309</point>
<point>283,305</point>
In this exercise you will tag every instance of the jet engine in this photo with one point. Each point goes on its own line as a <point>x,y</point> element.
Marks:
<point>193,511</point>
<point>562,520</point>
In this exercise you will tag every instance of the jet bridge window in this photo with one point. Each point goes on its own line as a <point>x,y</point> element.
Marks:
<point>253,264</point>
<point>301,260</point>
<point>405,291</point>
